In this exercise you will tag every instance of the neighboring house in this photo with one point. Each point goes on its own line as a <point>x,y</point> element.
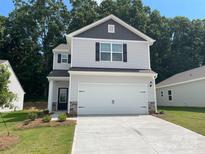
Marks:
<point>183,89</point>
<point>15,87</point>
<point>103,69</point>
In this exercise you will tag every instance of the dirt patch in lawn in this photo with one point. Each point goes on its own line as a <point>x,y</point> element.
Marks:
<point>39,123</point>
<point>8,141</point>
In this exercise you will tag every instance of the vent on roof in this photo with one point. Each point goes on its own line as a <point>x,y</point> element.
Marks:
<point>111,28</point>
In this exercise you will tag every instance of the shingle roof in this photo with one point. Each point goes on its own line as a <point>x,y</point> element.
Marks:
<point>62,48</point>
<point>110,69</point>
<point>59,73</point>
<point>2,61</point>
<point>184,76</point>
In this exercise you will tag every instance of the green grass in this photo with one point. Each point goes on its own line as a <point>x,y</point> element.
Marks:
<point>43,140</point>
<point>188,117</point>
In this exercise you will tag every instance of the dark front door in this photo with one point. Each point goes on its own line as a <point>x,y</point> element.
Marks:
<point>62,98</point>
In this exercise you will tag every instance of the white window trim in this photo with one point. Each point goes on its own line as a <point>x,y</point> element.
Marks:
<point>111,26</point>
<point>111,52</point>
<point>64,58</point>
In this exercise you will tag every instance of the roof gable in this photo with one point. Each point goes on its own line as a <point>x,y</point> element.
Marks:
<point>101,31</point>
<point>62,48</point>
<point>6,62</point>
<point>111,18</point>
<point>2,61</point>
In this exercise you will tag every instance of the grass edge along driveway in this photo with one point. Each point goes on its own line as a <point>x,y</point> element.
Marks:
<point>189,117</point>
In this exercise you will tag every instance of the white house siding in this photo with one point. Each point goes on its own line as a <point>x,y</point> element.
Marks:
<point>75,79</point>
<point>56,86</point>
<point>83,54</point>
<point>186,94</point>
<point>59,66</point>
<point>15,87</point>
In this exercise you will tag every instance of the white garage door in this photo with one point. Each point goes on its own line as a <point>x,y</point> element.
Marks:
<point>112,99</point>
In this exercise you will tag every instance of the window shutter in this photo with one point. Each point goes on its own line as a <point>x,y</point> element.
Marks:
<point>59,58</point>
<point>124,52</point>
<point>97,51</point>
<point>69,58</point>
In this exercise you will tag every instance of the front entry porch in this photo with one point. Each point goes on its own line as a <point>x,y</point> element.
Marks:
<point>58,94</point>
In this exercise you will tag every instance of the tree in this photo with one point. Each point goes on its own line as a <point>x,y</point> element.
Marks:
<point>33,29</point>
<point>84,12</point>
<point>6,96</point>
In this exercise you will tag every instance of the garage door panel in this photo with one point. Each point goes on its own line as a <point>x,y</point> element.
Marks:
<point>112,99</point>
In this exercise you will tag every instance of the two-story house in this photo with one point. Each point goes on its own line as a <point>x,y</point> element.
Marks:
<point>103,69</point>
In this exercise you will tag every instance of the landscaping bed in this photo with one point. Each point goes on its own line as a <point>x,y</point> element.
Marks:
<point>40,123</point>
<point>44,139</point>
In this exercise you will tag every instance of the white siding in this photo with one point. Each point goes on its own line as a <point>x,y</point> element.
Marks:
<point>187,94</point>
<point>15,87</point>
<point>59,66</point>
<point>75,79</point>
<point>83,55</point>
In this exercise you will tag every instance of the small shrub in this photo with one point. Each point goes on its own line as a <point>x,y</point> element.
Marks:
<point>40,114</point>
<point>32,116</point>
<point>46,118</point>
<point>62,117</point>
<point>26,122</point>
<point>46,112</point>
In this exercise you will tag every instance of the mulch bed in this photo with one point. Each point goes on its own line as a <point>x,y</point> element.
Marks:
<point>39,123</point>
<point>8,141</point>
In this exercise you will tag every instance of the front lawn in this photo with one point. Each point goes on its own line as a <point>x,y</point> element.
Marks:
<point>41,140</point>
<point>188,117</point>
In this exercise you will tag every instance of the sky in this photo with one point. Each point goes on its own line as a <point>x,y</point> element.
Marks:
<point>193,9</point>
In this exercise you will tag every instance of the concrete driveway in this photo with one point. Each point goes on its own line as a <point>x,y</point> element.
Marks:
<point>134,135</point>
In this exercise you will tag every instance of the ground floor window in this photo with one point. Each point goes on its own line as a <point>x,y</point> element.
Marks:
<point>162,93</point>
<point>170,95</point>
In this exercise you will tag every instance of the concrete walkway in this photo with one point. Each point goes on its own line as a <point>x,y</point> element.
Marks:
<point>134,135</point>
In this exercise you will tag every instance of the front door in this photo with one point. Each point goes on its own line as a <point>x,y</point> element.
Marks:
<point>62,98</point>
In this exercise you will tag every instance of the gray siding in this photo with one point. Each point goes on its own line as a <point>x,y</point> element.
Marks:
<point>101,31</point>
<point>187,94</point>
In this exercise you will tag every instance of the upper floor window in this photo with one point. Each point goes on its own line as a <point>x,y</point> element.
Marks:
<point>111,28</point>
<point>64,58</point>
<point>111,52</point>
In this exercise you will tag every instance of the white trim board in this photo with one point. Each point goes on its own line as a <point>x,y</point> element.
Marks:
<point>94,73</point>
<point>58,78</point>
<point>110,40</point>
<point>134,30</point>
<point>178,83</point>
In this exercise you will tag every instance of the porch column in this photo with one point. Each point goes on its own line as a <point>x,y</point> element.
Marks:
<point>155,96</point>
<point>50,95</point>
